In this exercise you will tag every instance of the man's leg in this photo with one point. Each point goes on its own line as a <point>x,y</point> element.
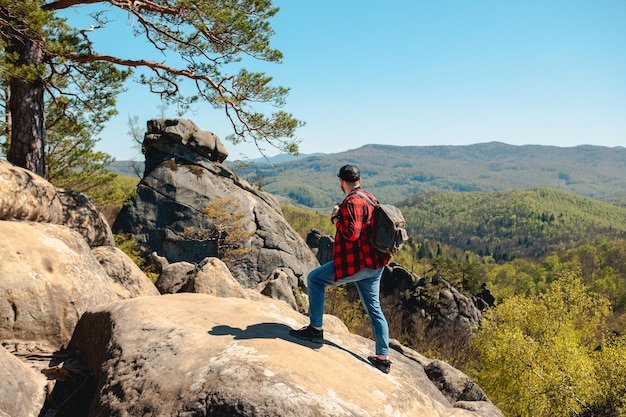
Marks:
<point>369,290</point>
<point>317,281</point>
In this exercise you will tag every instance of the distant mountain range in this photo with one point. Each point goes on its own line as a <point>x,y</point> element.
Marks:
<point>131,168</point>
<point>394,173</point>
<point>283,157</point>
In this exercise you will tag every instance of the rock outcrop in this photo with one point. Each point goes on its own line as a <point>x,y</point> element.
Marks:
<point>48,278</point>
<point>85,333</point>
<point>22,393</point>
<point>27,196</point>
<point>193,354</point>
<point>180,138</point>
<point>449,308</point>
<point>321,245</point>
<point>177,184</point>
<point>129,279</point>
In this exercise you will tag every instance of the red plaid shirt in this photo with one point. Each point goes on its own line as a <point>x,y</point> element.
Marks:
<point>353,250</point>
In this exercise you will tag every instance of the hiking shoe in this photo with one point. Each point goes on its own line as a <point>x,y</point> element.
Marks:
<point>383,365</point>
<point>309,333</point>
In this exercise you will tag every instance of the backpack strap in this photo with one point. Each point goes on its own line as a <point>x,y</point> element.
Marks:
<point>372,203</point>
<point>366,198</point>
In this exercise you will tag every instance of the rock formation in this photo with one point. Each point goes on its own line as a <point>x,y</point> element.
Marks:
<point>55,262</point>
<point>193,354</point>
<point>321,245</point>
<point>22,388</point>
<point>180,138</point>
<point>177,184</point>
<point>84,332</point>
<point>449,308</point>
<point>49,278</point>
<point>49,274</point>
<point>27,196</point>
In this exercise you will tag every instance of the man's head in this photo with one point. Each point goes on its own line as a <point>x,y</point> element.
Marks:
<point>349,178</point>
<point>349,173</point>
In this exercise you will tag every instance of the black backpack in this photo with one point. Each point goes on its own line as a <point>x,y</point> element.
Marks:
<point>389,227</point>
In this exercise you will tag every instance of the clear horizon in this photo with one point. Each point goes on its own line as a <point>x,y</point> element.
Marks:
<point>417,73</point>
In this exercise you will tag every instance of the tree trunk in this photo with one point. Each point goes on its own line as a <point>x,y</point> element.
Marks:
<point>27,108</point>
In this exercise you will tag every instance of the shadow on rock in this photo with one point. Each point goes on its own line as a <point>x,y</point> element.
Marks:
<point>274,331</point>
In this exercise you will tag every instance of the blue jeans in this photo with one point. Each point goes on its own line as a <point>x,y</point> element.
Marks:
<point>368,284</point>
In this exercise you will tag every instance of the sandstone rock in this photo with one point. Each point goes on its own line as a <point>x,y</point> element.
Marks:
<point>279,286</point>
<point>213,277</point>
<point>82,215</point>
<point>457,308</point>
<point>131,281</point>
<point>194,354</point>
<point>177,184</point>
<point>180,138</point>
<point>22,393</point>
<point>455,385</point>
<point>321,245</point>
<point>26,196</point>
<point>159,262</point>
<point>48,277</point>
<point>174,276</point>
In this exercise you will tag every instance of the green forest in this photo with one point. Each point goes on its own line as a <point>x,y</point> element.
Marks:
<point>555,261</point>
<point>542,227</point>
<point>512,224</point>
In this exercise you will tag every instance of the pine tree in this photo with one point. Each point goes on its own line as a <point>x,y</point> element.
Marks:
<point>47,61</point>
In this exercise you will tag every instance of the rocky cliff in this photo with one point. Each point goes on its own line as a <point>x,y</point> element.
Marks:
<point>179,180</point>
<point>85,333</point>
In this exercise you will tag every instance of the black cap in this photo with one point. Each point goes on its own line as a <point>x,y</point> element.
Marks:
<point>349,173</point>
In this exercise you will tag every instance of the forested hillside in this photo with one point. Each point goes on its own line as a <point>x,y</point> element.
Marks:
<point>534,224</point>
<point>512,224</point>
<point>393,173</point>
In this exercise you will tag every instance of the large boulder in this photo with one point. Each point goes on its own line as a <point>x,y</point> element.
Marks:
<point>195,354</point>
<point>449,308</point>
<point>22,393</point>
<point>49,275</point>
<point>131,281</point>
<point>175,276</point>
<point>82,215</point>
<point>48,278</point>
<point>168,204</point>
<point>180,138</point>
<point>27,196</point>
<point>213,277</point>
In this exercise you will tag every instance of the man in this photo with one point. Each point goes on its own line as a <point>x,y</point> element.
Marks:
<point>354,260</point>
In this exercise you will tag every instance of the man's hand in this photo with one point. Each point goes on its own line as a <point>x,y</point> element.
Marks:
<point>335,214</point>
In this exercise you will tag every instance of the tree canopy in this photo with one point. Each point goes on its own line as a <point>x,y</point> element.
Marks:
<point>48,64</point>
<point>542,356</point>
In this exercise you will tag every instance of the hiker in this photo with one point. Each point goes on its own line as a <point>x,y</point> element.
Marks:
<point>354,260</point>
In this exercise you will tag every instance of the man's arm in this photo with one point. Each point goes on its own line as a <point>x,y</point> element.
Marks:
<point>350,221</point>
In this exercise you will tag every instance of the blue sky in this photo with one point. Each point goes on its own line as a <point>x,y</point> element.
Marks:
<point>445,72</point>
